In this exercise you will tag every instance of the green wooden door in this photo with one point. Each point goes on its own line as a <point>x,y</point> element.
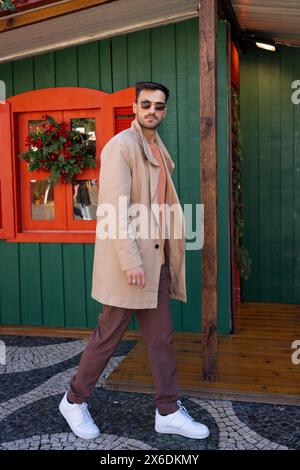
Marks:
<point>270,125</point>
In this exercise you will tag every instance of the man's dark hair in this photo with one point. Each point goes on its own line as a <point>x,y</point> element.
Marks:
<point>139,86</point>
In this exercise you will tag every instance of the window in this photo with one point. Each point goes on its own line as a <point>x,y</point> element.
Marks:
<point>37,210</point>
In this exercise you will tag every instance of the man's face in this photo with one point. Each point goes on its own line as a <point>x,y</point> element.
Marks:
<point>150,118</point>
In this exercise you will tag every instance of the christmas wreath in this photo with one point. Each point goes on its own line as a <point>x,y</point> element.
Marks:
<point>54,149</point>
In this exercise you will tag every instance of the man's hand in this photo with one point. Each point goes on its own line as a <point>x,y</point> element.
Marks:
<point>136,276</point>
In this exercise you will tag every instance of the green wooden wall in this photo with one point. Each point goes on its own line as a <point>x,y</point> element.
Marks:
<point>50,284</point>
<point>224,272</point>
<point>270,125</point>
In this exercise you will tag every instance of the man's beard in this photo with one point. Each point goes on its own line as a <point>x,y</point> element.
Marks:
<point>154,126</point>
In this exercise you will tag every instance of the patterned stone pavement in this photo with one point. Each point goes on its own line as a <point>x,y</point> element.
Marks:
<point>37,373</point>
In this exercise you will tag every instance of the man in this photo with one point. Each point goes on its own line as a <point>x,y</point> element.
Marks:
<point>137,273</point>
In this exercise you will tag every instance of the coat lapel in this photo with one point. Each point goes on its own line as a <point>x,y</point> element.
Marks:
<point>166,157</point>
<point>153,164</point>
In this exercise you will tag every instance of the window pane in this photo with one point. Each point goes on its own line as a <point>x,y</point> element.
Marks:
<point>41,200</point>
<point>34,125</point>
<point>85,193</point>
<point>87,128</point>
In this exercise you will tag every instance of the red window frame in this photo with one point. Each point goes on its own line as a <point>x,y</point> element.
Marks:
<point>113,113</point>
<point>27,223</point>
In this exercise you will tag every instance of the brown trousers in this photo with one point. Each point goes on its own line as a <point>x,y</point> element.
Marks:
<point>157,332</point>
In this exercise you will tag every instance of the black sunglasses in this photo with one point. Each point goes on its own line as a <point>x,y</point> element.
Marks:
<point>159,106</point>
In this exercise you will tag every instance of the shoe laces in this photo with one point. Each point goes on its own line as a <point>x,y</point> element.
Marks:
<point>84,413</point>
<point>184,410</point>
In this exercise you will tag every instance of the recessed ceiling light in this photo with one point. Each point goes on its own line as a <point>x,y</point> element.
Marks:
<point>260,41</point>
<point>266,46</point>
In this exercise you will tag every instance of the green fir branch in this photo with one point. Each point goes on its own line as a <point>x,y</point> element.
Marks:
<point>242,255</point>
<point>7,5</point>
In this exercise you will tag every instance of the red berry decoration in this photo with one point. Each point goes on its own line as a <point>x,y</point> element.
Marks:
<point>58,151</point>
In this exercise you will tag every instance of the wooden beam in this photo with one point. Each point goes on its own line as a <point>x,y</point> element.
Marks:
<point>226,11</point>
<point>208,154</point>
<point>64,332</point>
<point>17,20</point>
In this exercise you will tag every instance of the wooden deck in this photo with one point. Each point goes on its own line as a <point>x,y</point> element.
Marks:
<point>254,364</point>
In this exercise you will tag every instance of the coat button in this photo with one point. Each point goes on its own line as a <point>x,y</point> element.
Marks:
<point>157,245</point>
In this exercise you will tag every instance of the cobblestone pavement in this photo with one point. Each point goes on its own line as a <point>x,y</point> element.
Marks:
<point>37,373</point>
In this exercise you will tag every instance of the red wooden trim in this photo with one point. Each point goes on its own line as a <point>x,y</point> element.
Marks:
<point>1,215</point>
<point>122,123</point>
<point>120,99</point>
<point>6,175</point>
<point>59,99</point>
<point>235,66</point>
<point>52,237</point>
<point>16,170</point>
<point>59,222</point>
<point>89,174</point>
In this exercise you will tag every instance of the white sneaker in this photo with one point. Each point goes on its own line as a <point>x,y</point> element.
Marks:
<point>181,423</point>
<point>79,419</point>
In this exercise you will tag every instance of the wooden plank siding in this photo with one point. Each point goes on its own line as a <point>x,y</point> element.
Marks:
<point>271,174</point>
<point>50,284</point>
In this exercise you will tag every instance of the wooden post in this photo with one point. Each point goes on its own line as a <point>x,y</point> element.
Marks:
<point>208,164</point>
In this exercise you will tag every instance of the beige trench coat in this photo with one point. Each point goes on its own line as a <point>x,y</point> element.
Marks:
<point>129,169</point>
